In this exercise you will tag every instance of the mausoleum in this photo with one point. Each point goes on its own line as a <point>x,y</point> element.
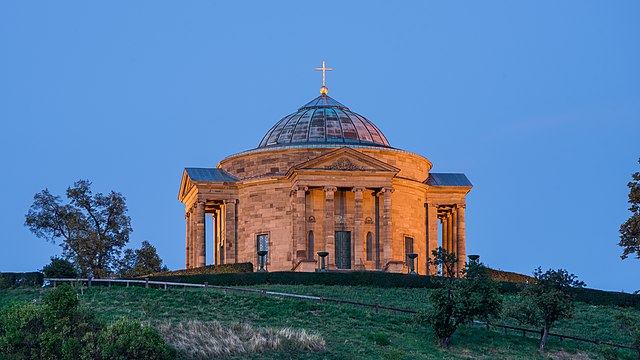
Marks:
<point>324,179</point>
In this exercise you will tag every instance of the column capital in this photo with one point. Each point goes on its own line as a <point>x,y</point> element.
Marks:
<point>385,190</point>
<point>230,201</point>
<point>330,189</point>
<point>462,206</point>
<point>187,214</point>
<point>356,189</point>
<point>299,188</point>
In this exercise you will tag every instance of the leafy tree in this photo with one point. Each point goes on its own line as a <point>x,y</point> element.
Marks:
<point>59,268</point>
<point>546,300</point>
<point>92,229</point>
<point>630,230</point>
<point>459,300</point>
<point>141,262</point>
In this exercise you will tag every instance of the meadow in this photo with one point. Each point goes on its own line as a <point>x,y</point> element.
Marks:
<point>346,331</point>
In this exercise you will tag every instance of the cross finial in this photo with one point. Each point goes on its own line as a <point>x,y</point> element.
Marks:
<point>324,68</point>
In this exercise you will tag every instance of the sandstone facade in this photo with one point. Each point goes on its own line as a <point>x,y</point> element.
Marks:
<point>324,179</point>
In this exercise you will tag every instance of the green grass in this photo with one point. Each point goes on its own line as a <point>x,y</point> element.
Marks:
<point>350,332</point>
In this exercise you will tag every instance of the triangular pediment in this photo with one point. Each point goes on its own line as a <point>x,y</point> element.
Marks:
<point>185,185</point>
<point>345,159</point>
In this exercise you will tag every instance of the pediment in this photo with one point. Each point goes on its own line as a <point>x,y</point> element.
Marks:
<point>185,185</point>
<point>345,159</point>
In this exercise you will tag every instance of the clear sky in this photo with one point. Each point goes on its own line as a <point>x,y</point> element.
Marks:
<point>538,102</point>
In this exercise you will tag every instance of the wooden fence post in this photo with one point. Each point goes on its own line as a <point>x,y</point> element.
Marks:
<point>206,285</point>
<point>55,283</point>
<point>146,283</point>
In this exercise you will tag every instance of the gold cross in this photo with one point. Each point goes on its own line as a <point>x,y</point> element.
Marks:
<point>324,68</point>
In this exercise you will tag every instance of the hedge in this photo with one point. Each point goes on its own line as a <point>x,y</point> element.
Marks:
<point>9,280</point>
<point>378,279</point>
<point>366,278</point>
<point>209,269</point>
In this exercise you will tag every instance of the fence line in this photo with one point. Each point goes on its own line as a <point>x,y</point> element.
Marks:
<point>321,300</point>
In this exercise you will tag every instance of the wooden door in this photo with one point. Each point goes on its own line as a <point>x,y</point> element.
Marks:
<point>343,249</point>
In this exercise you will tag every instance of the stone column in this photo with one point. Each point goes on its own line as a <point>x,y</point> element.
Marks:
<point>432,214</point>
<point>201,247</point>
<point>443,241</point>
<point>299,222</point>
<point>230,229</point>
<point>461,239</point>
<point>450,232</point>
<point>329,224</point>
<point>358,236</point>
<point>194,237</point>
<point>214,229</point>
<point>188,244</point>
<point>454,236</point>
<point>387,226</point>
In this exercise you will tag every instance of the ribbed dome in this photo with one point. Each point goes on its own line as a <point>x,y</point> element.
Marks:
<point>324,120</point>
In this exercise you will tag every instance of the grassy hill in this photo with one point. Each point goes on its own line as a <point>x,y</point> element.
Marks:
<point>349,332</point>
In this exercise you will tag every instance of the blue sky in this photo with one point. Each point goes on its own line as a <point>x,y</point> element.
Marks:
<point>538,102</point>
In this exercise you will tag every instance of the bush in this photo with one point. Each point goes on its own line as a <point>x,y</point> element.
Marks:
<point>60,268</point>
<point>9,280</point>
<point>60,329</point>
<point>211,269</point>
<point>127,339</point>
<point>365,278</point>
<point>508,276</point>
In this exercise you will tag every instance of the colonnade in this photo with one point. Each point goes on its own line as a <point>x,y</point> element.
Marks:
<point>224,232</point>
<point>299,221</point>
<point>453,234</point>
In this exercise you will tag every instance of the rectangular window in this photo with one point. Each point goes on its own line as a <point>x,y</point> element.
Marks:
<point>408,246</point>
<point>262,244</point>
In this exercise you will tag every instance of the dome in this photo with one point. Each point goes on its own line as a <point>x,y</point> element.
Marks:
<point>324,121</point>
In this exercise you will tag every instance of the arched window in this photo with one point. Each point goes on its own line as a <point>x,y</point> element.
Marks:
<point>369,247</point>
<point>310,254</point>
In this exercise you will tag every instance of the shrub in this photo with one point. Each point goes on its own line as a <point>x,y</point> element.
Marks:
<point>60,268</point>
<point>211,269</point>
<point>60,329</point>
<point>21,326</point>
<point>9,280</point>
<point>127,339</point>
<point>365,278</point>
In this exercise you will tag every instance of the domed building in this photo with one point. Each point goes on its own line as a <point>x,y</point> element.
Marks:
<point>324,179</point>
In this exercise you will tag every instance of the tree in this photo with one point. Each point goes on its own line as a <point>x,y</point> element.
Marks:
<point>546,300</point>
<point>92,229</point>
<point>459,300</point>
<point>630,230</point>
<point>59,268</point>
<point>141,262</point>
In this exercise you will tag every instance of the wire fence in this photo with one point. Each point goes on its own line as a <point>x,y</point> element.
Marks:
<point>377,307</point>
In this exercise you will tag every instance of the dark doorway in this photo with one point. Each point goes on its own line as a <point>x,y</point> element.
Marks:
<point>343,249</point>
